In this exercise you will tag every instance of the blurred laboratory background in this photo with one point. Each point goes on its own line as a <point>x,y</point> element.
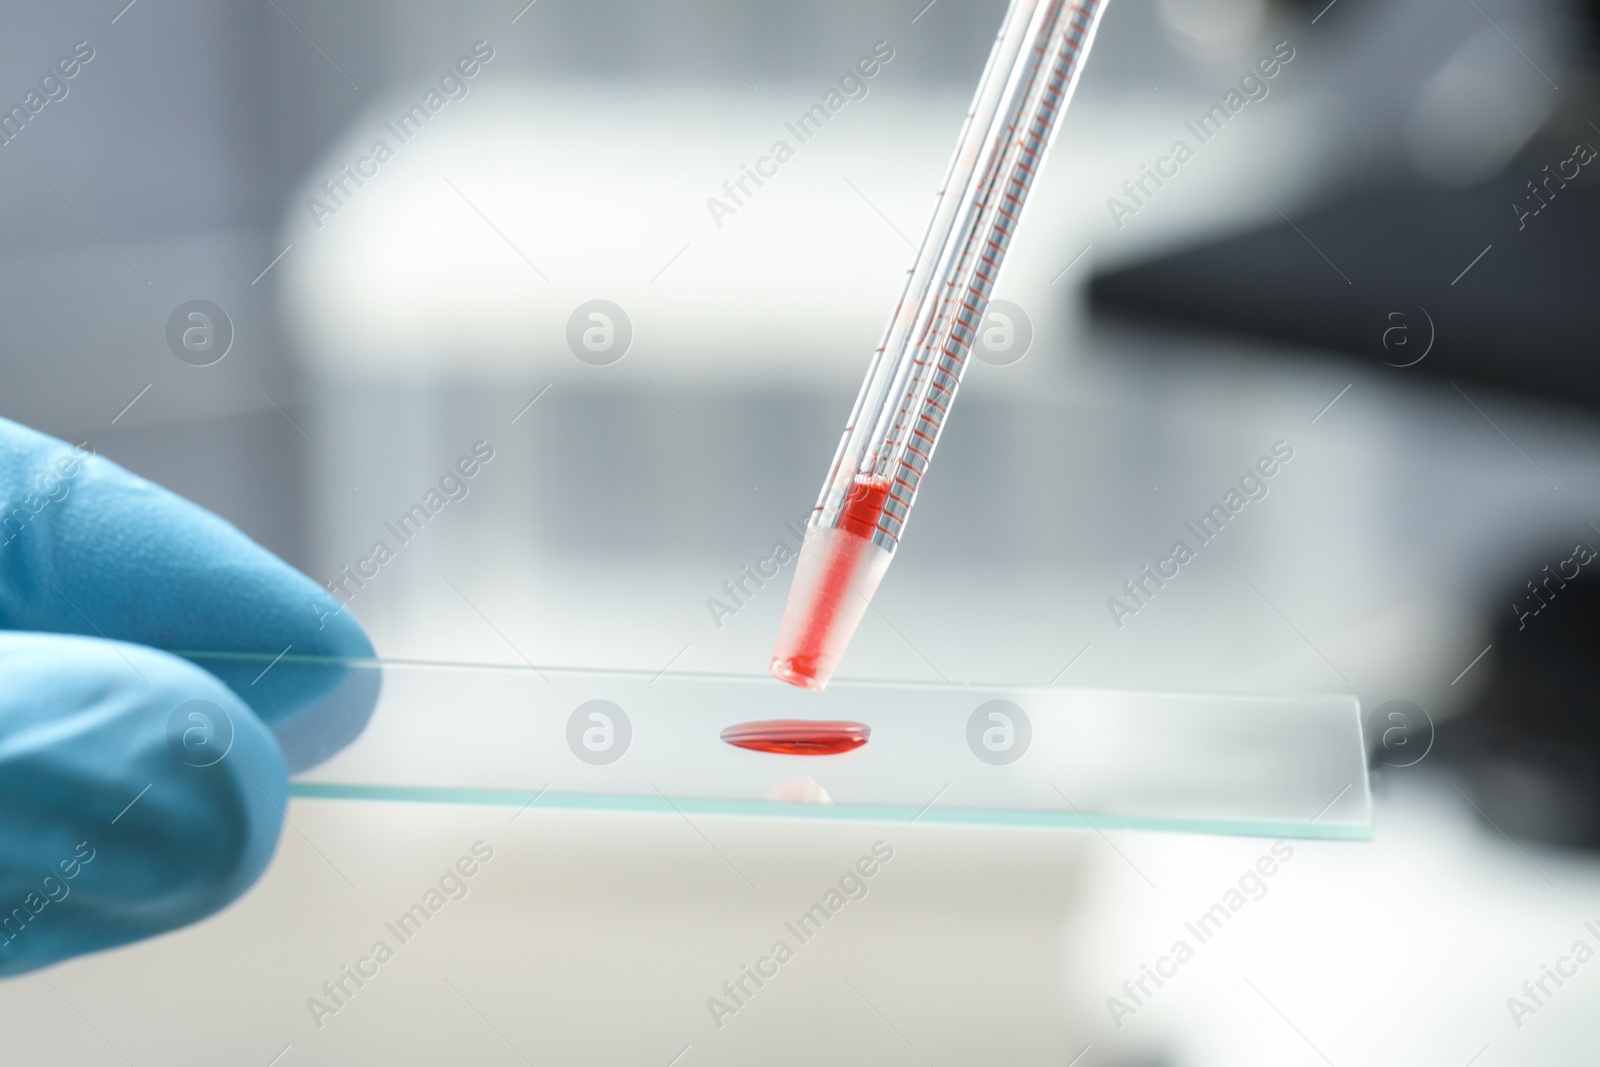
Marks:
<point>1373,259</point>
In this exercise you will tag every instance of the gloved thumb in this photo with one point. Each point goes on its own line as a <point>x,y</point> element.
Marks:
<point>139,794</point>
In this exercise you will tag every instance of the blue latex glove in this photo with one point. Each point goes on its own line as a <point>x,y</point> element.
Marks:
<point>99,571</point>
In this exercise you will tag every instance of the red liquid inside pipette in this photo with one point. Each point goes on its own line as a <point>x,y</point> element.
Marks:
<point>798,737</point>
<point>832,584</point>
<point>863,505</point>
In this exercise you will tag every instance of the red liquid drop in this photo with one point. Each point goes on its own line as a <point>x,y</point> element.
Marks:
<point>798,737</point>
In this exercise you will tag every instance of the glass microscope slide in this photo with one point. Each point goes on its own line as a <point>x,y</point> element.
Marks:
<point>1280,766</point>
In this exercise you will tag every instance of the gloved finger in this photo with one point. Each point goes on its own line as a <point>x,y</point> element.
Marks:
<point>139,794</point>
<point>88,548</point>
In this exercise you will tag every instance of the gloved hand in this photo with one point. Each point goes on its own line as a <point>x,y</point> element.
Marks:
<point>117,821</point>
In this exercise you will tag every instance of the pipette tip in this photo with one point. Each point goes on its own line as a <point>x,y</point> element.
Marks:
<point>834,579</point>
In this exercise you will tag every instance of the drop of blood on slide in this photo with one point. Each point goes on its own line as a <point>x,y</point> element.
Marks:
<point>798,737</point>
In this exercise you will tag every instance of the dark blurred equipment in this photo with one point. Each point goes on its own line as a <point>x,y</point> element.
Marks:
<point>1497,282</point>
<point>1489,275</point>
<point>1529,748</point>
<point>1470,251</point>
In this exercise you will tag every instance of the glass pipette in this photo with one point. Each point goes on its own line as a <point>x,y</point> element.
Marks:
<point>912,379</point>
